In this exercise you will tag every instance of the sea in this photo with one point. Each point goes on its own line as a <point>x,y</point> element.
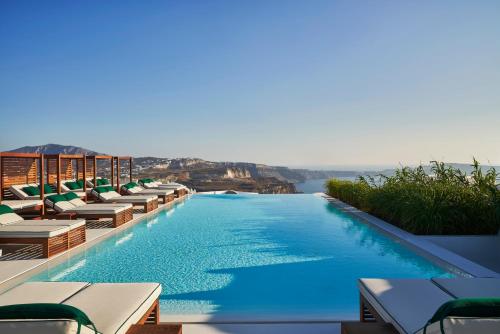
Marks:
<point>316,185</point>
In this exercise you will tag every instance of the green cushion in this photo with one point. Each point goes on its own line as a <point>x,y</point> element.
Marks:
<point>5,209</point>
<point>31,191</point>
<point>80,183</point>
<point>101,190</point>
<point>47,189</point>
<point>43,311</point>
<point>102,182</point>
<point>466,308</point>
<point>72,185</point>
<point>56,198</point>
<point>146,181</point>
<point>130,185</point>
<point>71,195</point>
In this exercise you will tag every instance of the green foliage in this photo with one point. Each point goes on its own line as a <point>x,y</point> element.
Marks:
<point>446,202</point>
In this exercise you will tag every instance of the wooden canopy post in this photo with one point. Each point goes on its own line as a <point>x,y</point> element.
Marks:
<point>84,176</point>
<point>130,168</point>
<point>58,164</point>
<point>112,171</point>
<point>118,172</point>
<point>95,171</point>
<point>1,178</point>
<point>42,181</point>
<point>77,169</point>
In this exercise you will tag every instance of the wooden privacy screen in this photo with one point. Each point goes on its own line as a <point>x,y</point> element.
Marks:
<point>66,170</point>
<point>90,168</point>
<point>17,170</point>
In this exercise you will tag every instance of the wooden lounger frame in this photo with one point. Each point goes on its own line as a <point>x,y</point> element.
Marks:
<point>53,245</point>
<point>180,192</point>
<point>367,312</point>
<point>152,315</point>
<point>119,218</point>
<point>151,205</point>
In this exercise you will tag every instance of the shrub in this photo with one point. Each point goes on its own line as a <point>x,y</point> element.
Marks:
<point>446,202</point>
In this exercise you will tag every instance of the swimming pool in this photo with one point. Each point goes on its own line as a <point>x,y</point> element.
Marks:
<point>249,256</point>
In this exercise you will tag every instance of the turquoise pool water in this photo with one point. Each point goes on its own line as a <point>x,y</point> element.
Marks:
<point>251,255</point>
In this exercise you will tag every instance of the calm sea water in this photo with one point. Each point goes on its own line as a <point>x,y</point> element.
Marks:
<point>249,255</point>
<point>316,186</point>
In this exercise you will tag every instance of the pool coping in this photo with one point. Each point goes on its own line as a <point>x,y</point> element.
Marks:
<point>449,260</point>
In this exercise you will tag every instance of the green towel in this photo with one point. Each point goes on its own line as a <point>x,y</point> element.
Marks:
<point>466,308</point>
<point>46,311</point>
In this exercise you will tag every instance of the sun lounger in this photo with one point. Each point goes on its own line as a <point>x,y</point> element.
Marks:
<point>55,236</point>
<point>29,191</point>
<point>133,189</point>
<point>179,189</point>
<point>20,205</point>
<point>470,287</point>
<point>71,203</point>
<point>111,307</point>
<point>109,195</point>
<point>101,181</point>
<point>409,304</point>
<point>75,186</point>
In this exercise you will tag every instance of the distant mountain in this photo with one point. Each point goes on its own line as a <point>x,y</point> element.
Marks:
<point>55,149</point>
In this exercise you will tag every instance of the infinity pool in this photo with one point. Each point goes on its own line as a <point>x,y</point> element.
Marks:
<point>230,256</point>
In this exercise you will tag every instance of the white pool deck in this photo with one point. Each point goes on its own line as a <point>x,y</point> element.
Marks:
<point>15,271</point>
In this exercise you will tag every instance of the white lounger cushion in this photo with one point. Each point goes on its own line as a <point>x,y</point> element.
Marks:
<point>109,195</point>
<point>63,206</point>
<point>10,218</point>
<point>77,202</point>
<point>464,326</point>
<point>134,190</point>
<point>114,307</point>
<point>470,287</point>
<point>41,292</point>
<point>98,209</point>
<point>19,231</point>
<point>71,224</point>
<point>406,303</point>
<point>42,327</point>
<point>132,199</point>
<point>156,192</point>
<point>20,204</point>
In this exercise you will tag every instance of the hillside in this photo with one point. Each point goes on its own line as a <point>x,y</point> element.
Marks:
<point>54,149</point>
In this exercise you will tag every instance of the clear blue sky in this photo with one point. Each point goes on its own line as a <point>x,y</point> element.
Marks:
<point>279,82</point>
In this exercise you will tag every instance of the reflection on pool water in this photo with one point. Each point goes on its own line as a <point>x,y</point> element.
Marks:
<point>230,255</point>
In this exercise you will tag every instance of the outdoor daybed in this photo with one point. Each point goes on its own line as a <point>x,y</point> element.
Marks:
<point>109,195</point>
<point>30,191</point>
<point>75,186</point>
<point>20,204</point>
<point>55,236</point>
<point>59,307</point>
<point>410,304</point>
<point>179,189</point>
<point>101,181</point>
<point>132,188</point>
<point>70,203</point>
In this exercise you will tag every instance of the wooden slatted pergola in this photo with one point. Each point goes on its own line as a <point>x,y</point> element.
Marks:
<point>20,168</point>
<point>64,167</point>
<point>93,159</point>
<point>118,170</point>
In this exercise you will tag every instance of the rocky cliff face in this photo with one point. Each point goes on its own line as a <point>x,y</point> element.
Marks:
<point>237,173</point>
